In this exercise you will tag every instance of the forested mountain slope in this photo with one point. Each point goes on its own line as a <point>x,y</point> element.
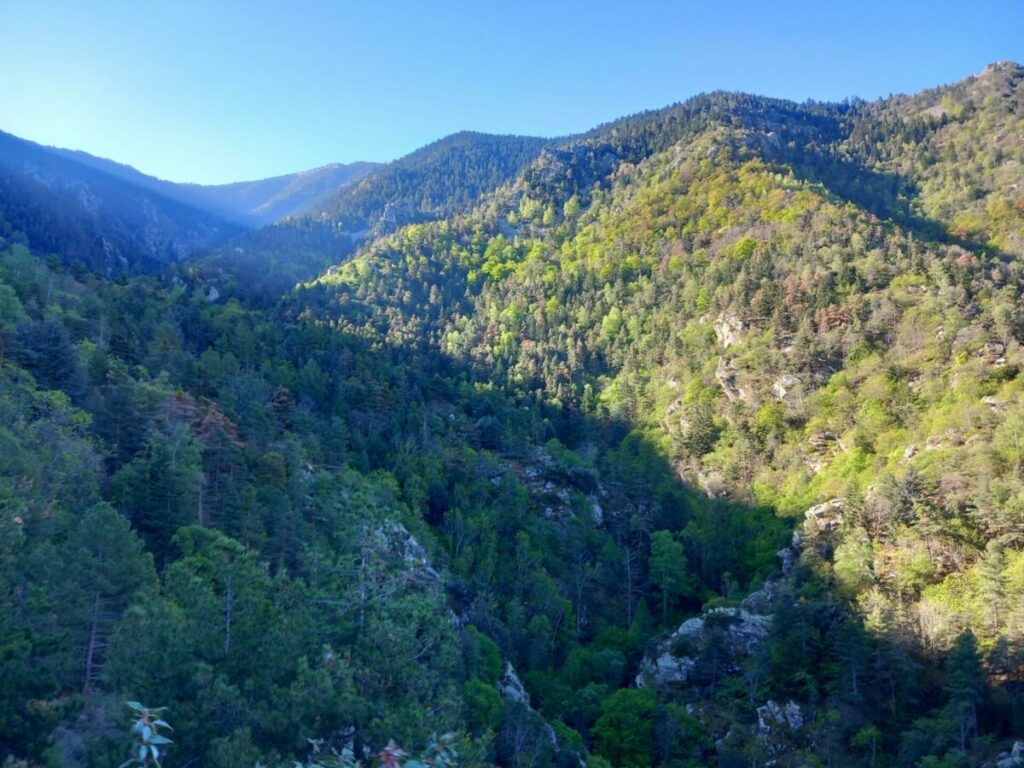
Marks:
<point>439,180</point>
<point>474,476</point>
<point>796,304</point>
<point>107,224</point>
<point>113,218</point>
<point>432,182</point>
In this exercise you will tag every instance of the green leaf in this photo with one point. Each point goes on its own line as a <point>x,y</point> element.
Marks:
<point>158,739</point>
<point>136,706</point>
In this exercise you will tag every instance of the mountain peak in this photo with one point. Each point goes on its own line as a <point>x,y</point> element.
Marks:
<point>1004,65</point>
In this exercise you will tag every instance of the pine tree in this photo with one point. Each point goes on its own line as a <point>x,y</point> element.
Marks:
<point>668,569</point>
<point>964,687</point>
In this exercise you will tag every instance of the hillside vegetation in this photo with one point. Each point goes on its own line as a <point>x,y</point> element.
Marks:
<point>519,465</point>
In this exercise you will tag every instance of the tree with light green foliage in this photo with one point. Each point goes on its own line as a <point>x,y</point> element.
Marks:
<point>669,569</point>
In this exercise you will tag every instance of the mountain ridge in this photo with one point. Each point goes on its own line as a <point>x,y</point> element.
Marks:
<point>273,199</point>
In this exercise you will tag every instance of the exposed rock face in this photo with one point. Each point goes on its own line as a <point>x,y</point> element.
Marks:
<point>787,388</point>
<point>1008,761</point>
<point>396,538</point>
<point>732,634</point>
<point>511,687</point>
<point>728,329</point>
<point>552,484</point>
<point>596,510</point>
<point>994,352</point>
<point>821,441</point>
<point>712,483</point>
<point>778,726</point>
<point>788,555</point>
<point>1012,759</point>
<point>675,417</point>
<point>726,375</point>
<point>394,216</point>
<point>669,670</point>
<point>825,517</point>
<point>723,639</point>
<point>772,718</point>
<point>735,633</point>
<point>762,602</point>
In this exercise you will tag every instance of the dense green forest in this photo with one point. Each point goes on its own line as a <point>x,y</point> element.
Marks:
<point>438,180</point>
<point>692,440</point>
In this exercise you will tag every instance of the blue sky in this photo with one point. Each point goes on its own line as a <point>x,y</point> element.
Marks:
<point>223,91</point>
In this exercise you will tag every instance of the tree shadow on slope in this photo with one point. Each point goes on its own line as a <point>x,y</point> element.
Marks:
<point>572,502</point>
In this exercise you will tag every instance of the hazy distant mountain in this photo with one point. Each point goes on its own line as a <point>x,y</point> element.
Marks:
<point>252,203</point>
<point>105,221</point>
<point>112,217</point>
<point>268,200</point>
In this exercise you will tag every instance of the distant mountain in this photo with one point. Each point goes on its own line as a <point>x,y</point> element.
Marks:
<point>105,221</point>
<point>269,200</point>
<point>435,181</point>
<point>441,179</point>
<point>251,203</point>
<point>114,218</point>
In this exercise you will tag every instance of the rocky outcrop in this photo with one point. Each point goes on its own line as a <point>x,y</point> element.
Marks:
<point>732,634</point>
<point>666,669</point>
<point>994,353</point>
<point>512,691</point>
<point>712,483</point>
<point>735,634</point>
<point>825,517</point>
<point>552,485</point>
<point>1012,759</point>
<point>778,726</point>
<point>728,329</point>
<point>726,374</point>
<point>822,446</point>
<point>787,388</point>
<point>722,640</point>
<point>511,687</point>
<point>772,718</point>
<point>396,539</point>
<point>393,217</point>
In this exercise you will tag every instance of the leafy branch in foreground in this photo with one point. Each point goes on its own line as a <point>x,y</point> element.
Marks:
<point>147,740</point>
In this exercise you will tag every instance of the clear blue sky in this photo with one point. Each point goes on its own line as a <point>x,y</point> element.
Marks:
<point>223,91</point>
